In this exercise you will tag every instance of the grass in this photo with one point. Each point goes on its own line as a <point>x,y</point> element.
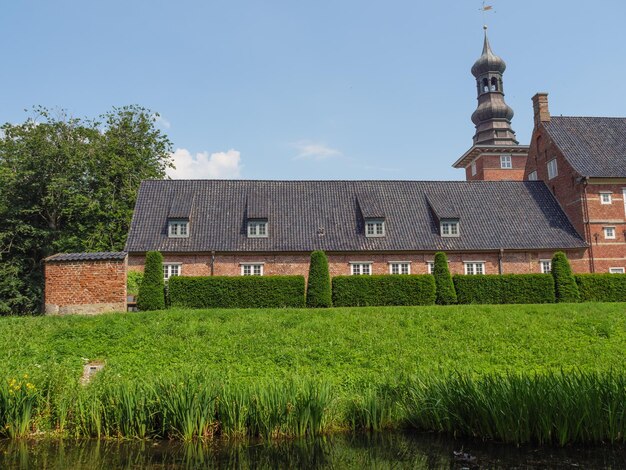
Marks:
<point>517,373</point>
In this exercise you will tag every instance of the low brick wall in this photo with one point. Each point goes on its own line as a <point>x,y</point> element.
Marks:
<point>87,283</point>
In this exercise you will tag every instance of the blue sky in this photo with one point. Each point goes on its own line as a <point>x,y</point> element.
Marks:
<point>286,89</point>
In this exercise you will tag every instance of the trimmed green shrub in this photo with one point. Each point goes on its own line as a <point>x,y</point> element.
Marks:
<point>152,288</point>
<point>133,281</point>
<point>505,289</point>
<point>564,282</point>
<point>236,292</point>
<point>601,287</point>
<point>446,295</point>
<point>319,290</point>
<point>387,289</point>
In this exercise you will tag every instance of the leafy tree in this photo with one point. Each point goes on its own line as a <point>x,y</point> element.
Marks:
<point>564,281</point>
<point>319,291</point>
<point>152,288</point>
<point>446,294</point>
<point>69,184</point>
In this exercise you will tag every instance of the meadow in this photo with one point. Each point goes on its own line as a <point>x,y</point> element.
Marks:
<point>517,373</point>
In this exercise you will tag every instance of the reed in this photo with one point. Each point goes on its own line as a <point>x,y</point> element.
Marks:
<point>557,408</point>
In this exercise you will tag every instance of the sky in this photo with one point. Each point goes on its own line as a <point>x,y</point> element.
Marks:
<point>324,89</point>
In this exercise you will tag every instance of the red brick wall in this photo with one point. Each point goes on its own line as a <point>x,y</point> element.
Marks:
<point>582,204</point>
<point>339,263</point>
<point>488,168</point>
<point>85,286</point>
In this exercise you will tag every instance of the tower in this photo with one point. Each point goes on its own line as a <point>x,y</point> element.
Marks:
<point>495,153</point>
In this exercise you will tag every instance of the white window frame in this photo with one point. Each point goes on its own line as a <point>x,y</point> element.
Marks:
<point>617,271</point>
<point>178,228</point>
<point>374,228</point>
<point>402,267</point>
<point>257,229</point>
<point>171,270</point>
<point>532,176</point>
<point>624,198</point>
<point>473,168</point>
<point>553,169</point>
<point>361,268</point>
<point>252,269</point>
<point>450,228</point>
<point>608,196</point>
<point>506,162</point>
<point>609,233</point>
<point>430,267</point>
<point>474,268</point>
<point>545,265</point>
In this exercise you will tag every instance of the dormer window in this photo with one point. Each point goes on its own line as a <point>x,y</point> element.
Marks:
<point>450,228</point>
<point>257,228</point>
<point>374,227</point>
<point>178,228</point>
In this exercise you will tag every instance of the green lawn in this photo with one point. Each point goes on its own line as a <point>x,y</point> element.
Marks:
<point>342,346</point>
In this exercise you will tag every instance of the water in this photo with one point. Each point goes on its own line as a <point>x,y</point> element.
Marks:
<point>380,451</point>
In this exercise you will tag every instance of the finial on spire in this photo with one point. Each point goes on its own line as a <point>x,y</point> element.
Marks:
<point>485,27</point>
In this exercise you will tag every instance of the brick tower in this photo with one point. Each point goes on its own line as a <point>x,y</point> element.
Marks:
<point>495,153</point>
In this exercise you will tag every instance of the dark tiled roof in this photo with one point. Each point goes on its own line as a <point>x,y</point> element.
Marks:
<point>493,215</point>
<point>594,146</point>
<point>96,256</point>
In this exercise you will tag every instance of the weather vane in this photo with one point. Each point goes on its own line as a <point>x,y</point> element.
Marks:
<point>486,8</point>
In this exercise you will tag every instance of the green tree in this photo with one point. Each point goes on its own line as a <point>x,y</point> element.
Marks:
<point>152,288</point>
<point>70,184</point>
<point>318,291</point>
<point>446,294</point>
<point>564,281</point>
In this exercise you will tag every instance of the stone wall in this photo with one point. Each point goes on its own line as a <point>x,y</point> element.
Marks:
<point>78,283</point>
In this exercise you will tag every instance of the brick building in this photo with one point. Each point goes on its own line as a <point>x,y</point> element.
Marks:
<point>226,227</point>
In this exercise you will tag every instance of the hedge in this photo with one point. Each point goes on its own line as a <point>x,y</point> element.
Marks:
<point>446,294</point>
<point>318,290</point>
<point>505,289</point>
<point>601,287</point>
<point>564,282</point>
<point>236,292</point>
<point>152,288</point>
<point>387,289</point>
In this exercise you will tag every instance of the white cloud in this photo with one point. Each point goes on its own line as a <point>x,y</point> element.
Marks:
<point>314,151</point>
<point>162,121</point>
<point>202,165</point>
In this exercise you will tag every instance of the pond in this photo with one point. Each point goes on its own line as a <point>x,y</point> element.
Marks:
<point>380,451</point>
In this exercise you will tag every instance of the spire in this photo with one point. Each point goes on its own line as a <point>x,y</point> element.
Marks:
<point>492,117</point>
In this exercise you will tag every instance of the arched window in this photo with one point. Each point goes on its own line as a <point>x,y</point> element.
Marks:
<point>485,85</point>
<point>494,84</point>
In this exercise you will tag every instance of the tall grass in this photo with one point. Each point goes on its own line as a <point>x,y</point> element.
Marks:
<point>558,408</point>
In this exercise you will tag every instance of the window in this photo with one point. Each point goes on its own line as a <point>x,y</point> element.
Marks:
<point>473,168</point>
<point>546,266</point>
<point>178,228</point>
<point>374,228</point>
<point>605,198</point>
<point>609,233</point>
<point>552,169</point>
<point>430,266</point>
<point>257,228</point>
<point>617,270</point>
<point>171,270</point>
<point>474,267</point>
<point>400,267</point>
<point>506,161</point>
<point>449,228</point>
<point>532,176</point>
<point>252,269</point>
<point>361,269</point>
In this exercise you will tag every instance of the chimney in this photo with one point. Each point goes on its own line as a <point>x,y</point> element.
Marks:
<point>540,107</point>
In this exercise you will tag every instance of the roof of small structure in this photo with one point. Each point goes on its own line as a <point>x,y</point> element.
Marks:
<point>330,215</point>
<point>94,256</point>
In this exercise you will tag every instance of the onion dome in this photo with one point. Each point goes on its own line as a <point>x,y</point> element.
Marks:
<point>492,109</point>
<point>488,61</point>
